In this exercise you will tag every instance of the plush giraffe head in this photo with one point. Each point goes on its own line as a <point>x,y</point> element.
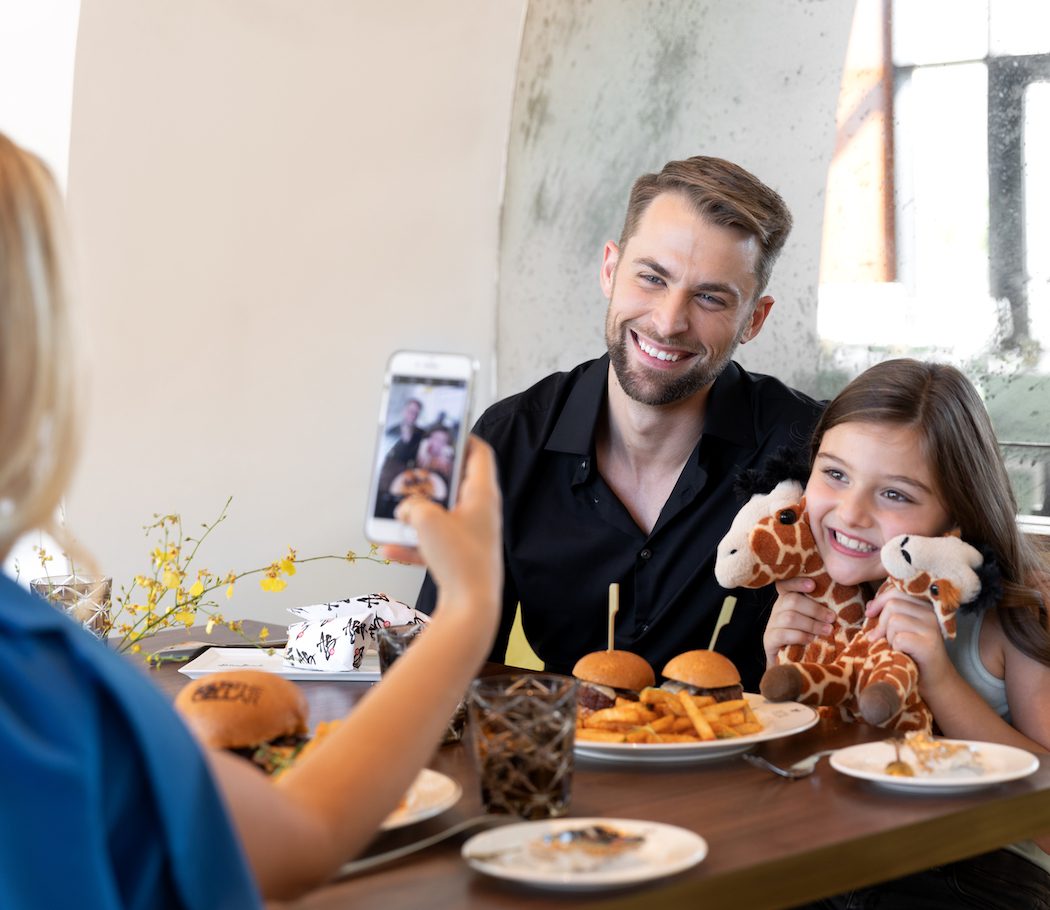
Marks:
<point>938,569</point>
<point>769,540</point>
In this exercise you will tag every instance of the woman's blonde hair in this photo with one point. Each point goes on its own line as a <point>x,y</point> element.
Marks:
<point>39,366</point>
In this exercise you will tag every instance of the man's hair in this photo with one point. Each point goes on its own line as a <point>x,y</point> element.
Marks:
<point>959,444</point>
<point>723,193</point>
<point>39,363</point>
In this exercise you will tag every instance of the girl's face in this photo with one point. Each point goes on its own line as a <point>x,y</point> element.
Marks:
<point>870,482</point>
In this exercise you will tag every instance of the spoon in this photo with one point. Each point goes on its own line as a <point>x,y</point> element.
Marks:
<point>898,767</point>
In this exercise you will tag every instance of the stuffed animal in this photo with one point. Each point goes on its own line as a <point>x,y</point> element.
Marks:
<point>770,540</point>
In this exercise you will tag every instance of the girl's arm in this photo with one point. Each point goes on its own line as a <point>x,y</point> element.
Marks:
<point>298,830</point>
<point>795,618</point>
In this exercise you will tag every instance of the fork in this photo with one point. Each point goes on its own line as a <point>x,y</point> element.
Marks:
<point>355,867</point>
<point>804,767</point>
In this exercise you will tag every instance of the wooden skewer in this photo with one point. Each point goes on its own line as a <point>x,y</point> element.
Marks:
<point>614,608</point>
<point>723,619</point>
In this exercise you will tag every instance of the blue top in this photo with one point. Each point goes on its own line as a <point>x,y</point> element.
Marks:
<point>107,800</point>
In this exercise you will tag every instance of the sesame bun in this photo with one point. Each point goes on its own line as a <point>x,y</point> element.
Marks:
<point>616,669</point>
<point>242,708</point>
<point>702,669</point>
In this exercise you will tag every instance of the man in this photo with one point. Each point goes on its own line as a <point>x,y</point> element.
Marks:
<point>622,470</point>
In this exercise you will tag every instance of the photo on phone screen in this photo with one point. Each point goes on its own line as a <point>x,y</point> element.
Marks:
<point>421,434</point>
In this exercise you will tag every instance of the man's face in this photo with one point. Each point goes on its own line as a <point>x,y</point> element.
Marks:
<point>680,301</point>
<point>410,412</point>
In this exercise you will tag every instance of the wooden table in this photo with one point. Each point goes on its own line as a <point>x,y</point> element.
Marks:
<point>773,842</point>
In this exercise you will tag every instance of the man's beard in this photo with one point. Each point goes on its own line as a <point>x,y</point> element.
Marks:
<point>652,388</point>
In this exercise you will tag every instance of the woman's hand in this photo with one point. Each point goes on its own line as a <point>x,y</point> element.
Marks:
<point>796,619</point>
<point>910,626</point>
<point>462,547</point>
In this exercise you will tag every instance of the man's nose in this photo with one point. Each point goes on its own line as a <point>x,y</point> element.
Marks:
<point>671,315</point>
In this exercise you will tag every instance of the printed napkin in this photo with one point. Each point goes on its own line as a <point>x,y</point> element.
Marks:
<point>335,636</point>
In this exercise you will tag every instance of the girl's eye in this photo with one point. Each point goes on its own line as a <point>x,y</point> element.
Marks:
<point>897,496</point>
<point>834,474</point>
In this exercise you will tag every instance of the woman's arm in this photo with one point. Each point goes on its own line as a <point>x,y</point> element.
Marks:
<point>298,830</point>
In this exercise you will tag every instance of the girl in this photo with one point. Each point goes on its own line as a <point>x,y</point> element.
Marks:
<point>907,447</point>
<point>94,757</point>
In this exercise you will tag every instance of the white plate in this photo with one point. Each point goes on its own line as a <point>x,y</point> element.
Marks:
<point>779,719</point>
<point>1002,763</point>
<point>215,659</point>
<point>431,794</point>
<point>666,851</point>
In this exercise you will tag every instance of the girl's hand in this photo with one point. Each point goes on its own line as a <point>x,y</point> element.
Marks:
<point>462,547</point>
<point>910,626</point>
<point>796,619</point>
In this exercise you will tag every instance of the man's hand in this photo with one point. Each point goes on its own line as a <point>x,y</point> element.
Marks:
<point>796,619</point>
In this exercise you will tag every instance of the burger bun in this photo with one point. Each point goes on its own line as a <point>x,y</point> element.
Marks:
<point>615,669</point>
<point>238,709</point>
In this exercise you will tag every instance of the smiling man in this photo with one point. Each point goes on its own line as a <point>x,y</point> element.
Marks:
<point>622,469</point>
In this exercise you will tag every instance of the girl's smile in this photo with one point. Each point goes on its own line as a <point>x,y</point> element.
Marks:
<point>870,482</point>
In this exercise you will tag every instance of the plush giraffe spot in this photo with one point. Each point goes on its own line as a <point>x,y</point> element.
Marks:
<point>853,614</point>
<point>835,693</point>
<point>918,585</point>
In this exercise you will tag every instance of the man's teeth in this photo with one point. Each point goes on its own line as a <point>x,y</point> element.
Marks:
<point>851,543</point>
<point>659,355</point>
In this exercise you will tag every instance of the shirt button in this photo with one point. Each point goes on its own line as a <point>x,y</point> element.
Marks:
<point>646,553</point>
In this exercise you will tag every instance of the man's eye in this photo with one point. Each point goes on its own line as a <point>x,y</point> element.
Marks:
<point>652,279</point>
<point>710,302</point>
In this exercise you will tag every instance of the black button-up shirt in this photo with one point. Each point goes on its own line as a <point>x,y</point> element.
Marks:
<point>567,536</point>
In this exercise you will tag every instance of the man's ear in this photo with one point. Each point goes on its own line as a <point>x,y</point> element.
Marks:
<point>607,275</point>
<point>758,318</point>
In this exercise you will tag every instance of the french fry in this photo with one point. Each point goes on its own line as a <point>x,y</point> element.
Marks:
<point>641,735</point>
<point>600,736</point>
<point>662,724</point>
<point>662,699</point>
<point>631,713</point>
<point>676,738</point>
<point>749,728</point>
<point>682,724</point>
<point>724,707</point>
<point>732,718</point>
<point>703,701</point>
<point>703,728</point>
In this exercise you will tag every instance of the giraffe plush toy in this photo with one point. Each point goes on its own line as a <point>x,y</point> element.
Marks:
<point>770,540</point>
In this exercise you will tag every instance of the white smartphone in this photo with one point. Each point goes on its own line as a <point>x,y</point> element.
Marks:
<point>423,427</point>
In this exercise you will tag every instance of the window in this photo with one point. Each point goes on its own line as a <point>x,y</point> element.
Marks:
<point>937,220</point>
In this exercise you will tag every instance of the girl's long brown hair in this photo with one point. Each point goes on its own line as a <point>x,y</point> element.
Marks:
<point>958,441</point>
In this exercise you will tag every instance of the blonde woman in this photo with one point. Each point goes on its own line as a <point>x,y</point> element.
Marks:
<point>97,766</point>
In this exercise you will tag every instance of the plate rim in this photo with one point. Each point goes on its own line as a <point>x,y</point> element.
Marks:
<point>692,752</point>
<point>455,794</point>
<point>936,784</point>
<point>592,880</point>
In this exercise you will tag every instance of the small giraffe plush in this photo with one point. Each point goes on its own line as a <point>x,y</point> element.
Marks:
<point>770,540</point>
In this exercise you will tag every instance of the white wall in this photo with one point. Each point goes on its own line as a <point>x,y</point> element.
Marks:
<point>610,90</point>
<point>269,197</point>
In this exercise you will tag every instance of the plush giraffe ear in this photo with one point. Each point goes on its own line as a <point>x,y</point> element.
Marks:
<point>991,582</point>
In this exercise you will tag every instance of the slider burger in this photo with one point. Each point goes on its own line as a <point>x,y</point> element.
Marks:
<point>703,673</point>
<point>257,715</point>
<point>604,675</point>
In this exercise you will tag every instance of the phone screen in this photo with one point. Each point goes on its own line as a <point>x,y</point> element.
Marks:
<point>420,438</point>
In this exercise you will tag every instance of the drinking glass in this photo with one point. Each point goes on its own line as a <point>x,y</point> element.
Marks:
<point>391,644</point>
<point>523,729</point>
<point>86,598</point>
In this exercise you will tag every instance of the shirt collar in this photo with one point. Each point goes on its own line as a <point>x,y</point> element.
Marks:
<point>728,417</point>
<point>574,431</point>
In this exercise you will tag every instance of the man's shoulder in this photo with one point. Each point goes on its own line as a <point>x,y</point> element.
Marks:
<point>537,404</point>
<point>771,396</point>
